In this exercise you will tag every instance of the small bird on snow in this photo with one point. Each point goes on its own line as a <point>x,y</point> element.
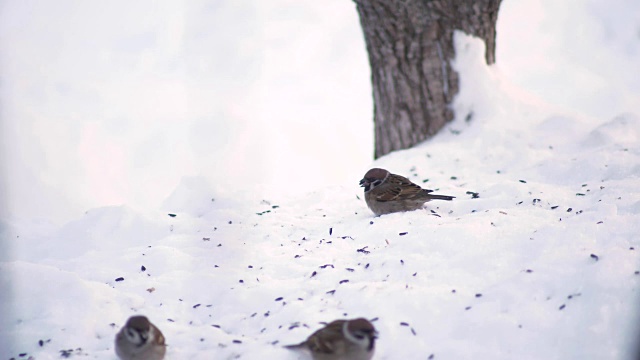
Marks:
<point>341,340</point>
<point>139,339</point>
<point>387,193</point>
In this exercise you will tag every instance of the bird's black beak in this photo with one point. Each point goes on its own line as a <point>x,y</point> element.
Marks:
<point>364,183</point>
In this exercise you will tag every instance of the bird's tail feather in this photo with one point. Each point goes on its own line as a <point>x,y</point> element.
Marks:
<point>441,197</point>
<point>294,346</point>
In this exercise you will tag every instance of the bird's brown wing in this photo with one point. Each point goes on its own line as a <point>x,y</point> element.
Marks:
<point>397,187</point>
<point>159,339</point>
<point>324,340</point>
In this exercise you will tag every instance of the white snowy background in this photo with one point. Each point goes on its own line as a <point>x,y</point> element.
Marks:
<point>251,122</point>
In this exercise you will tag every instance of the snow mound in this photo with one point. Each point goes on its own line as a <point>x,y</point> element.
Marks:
<point>536,258</point>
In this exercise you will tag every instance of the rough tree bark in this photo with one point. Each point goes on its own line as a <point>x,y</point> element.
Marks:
<point>410,46</point>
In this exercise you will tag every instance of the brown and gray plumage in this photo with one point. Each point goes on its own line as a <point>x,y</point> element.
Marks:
<point>387,193</point>
<point>139,339</point>
<point>341,340</point>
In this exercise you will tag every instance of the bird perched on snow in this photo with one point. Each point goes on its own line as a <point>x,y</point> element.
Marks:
<point>139,339</point>
<point>341,340</point>
<point>387,193</point>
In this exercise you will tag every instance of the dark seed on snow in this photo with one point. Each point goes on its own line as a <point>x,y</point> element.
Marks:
<point>363,250</point>
<point>330,231</point>
<point>314,273</point>
<point>413,331</point>
<point>237,342</point>
<point>554,207</point>
<point>474,195</point>
<point>403,233</point>
<point>331,292</point>
<point>562,307</point>
<point>143,268</point>
<point>404,324</point>
<point>279,298</point>
<point>468,308</point>
<point>529,270</point>
<point>344,281</point>
<point>172,215</point>
<point>522,181</point>
<point>569,209</point>
<point>478,295</point>
<point>595,257</point>
<point>120,279</point>
<point>196,306</point>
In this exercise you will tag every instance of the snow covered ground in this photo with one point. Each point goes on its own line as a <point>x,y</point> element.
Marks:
<point>536,258</point>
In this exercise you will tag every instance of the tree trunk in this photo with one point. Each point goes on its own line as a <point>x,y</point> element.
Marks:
<point>410,46</point>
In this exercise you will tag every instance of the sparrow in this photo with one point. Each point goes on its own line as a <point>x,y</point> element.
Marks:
<point>387,193</point>
<point>341,340</point>
<point>139,339</point>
